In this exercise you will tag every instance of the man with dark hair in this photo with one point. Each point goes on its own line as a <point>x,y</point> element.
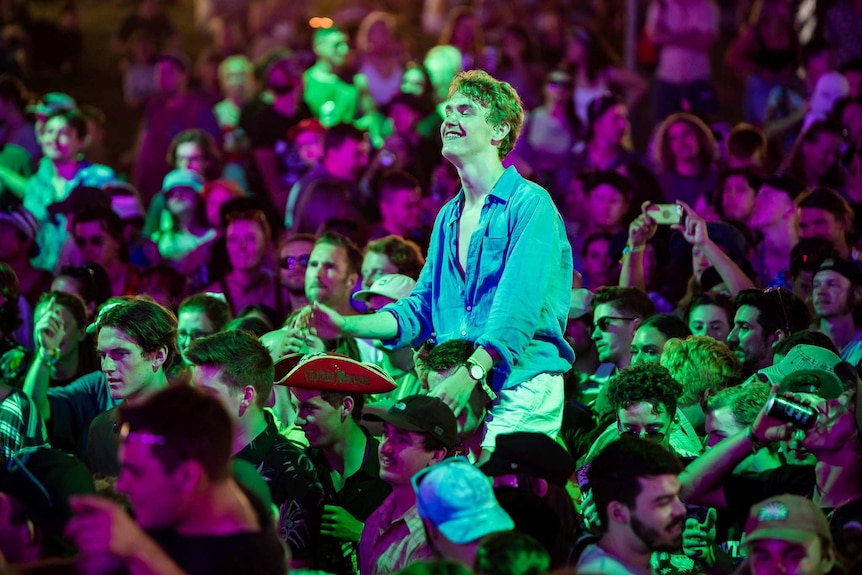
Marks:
<point>837,297</point>
<point>773,216</point>
<point>823,213</point>
<point>334,266</point>
<point>391,255</point>
<point>235,367</point>
<point>763,318</point>
<point>617,312</point>
<point>293,255</point>
<point>345,155</point>
<point>418,432</point>
<point>636,492</point>
<point>328,410</point>
<point>136,342</point>
<point>473,288</point>
<point>191,516</point>
<point>400,203</point>
<point>98,235</point>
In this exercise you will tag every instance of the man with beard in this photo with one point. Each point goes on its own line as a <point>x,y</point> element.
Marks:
<point>293,262</point>
<point>636,491</point>
<point>763,318</point>
<point>837,293</point>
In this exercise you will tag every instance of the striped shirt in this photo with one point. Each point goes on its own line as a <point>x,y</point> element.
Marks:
<point>20,423</point>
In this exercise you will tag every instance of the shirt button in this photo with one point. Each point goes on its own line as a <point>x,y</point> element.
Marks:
<point>464,333</point>
<point>469,308</point>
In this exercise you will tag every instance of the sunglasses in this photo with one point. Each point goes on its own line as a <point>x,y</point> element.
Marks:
<point>290,262</point>
<point>604,323</point>
<point>95,241</point>
<point>655,436</point>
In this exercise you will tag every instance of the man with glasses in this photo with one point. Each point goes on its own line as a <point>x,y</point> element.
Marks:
<point>763,318</point>
<point>199,316</point>
<point>292,262</point>
<point>617,312</point>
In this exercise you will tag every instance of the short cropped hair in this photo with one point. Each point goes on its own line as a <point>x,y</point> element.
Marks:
<point>73,118</point>
<point>215,308</point>
<point>150,325</point>
<point>644,382</point>
<point>205,437</point>
<point>702,365</point>
<point>745,401</point>
<point>405,255</point>
<point>511,553</point>
<point>805,337</point>
<point>628,300</point>
<point>109,221</point>
<point>831,201</point>
<point>502,101</point>
<point>449,354</point>
<point>354,255</point>
<point>395,181</point>
<point>340,133</point>
<point>615,473</point>
<point>240,357</point>
<point>779,309</point>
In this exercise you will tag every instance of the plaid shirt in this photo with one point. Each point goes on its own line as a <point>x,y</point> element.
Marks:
<point>20,424</point>
<point>389,544</point>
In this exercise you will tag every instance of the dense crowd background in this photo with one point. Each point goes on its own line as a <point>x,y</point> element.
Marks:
<point>710,193</point>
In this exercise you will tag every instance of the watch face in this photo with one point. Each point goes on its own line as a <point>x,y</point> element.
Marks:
<point>476,372</point>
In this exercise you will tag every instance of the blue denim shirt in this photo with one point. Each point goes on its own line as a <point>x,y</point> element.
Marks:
<point>515,297</point>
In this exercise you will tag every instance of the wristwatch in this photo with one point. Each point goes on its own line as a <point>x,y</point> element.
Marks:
<point>475,369</point>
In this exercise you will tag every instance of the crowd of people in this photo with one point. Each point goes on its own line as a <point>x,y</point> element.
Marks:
<point>357,306</point>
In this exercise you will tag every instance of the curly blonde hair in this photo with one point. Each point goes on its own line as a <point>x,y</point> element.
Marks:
<point>702,365</point>
<point>502,101</point>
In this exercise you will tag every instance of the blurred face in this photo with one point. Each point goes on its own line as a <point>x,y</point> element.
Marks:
<point>709,320</point>
<point>402,455</point>
<point>181,201</point>
<point>12,242</point>
<point>737,198</point>
<point>60,142</point>
<point>74,332</point>
<point>190,156</point>
<point>770,207</point>
<point>683,142</point>
<point>833,294</point>
<point>821,154</point>
<point>659,516</point>
<point>803,284</point>
<point>402,209</point>
<point>612,125</point>
<point>578,334</point>
<point>192,325</point>
<point>328,279</point>
<point>748,341</point>
<point>375,265</point>
<point>158,498</point>
<point>350,159</point>
<point>820,223</point>
<point>779,557</point>
<point>322,423</point>
<point>851,119</point>
<point>607,206</point>
<point>647,345</point>
<point>218,197</point>
<point>293,263</point>
<point>835,429</point>
<point>403,118</point>
<point>332,48</point>
<point>236,79</point>
<point>170,79</point>
<point>124,363</point>
<point>558,88</point>
<point>95,244</point>
<point>854,79</point>
<point>613,333</point>
<point>597,262</point>
<point>699,262</point>
<point>413,82</point>
<point>67,284</point>
<point>246,244</point>
<point>309,146</point>
<point>720,424</point>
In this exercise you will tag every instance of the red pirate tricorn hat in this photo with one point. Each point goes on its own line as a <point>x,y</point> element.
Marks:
<point>334,372</point>
<point>284,365</point>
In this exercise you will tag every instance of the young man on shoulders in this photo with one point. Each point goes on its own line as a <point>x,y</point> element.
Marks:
<point>497,231</point>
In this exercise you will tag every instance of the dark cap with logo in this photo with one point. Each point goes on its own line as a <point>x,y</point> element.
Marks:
<point>424,414</point>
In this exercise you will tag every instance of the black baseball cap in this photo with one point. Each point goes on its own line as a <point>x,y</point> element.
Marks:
<point>424,414</point>
<point>533,454</point>
<point>846,268</point>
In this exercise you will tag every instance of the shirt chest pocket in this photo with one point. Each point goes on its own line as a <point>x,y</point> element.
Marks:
<point>495,244</point>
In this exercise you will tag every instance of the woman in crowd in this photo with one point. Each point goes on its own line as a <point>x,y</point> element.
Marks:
<point>379,62</point>
<point>686,159</point>
<point>651,336</point>
<point>711,314</point>
<point>814,159</point>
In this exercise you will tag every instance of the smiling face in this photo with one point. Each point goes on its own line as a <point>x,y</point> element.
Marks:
<point>322,423</point>
<point>402,455</point>
<point>465,131</point>
<point>60,142</point>
<point>659,515</point>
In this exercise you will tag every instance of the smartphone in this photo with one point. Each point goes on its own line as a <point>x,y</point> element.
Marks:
<point>666,214</point>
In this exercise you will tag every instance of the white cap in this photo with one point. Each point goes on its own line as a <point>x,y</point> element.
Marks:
<point>395,286</point>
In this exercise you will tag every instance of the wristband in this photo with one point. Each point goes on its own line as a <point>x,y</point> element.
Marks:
<point>634,250</point>
<point>49,358</point>
<point>756,444</point>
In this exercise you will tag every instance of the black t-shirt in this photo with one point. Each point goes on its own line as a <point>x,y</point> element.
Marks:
<point>258,553</point>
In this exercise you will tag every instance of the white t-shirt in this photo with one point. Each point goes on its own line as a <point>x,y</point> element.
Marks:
<point>676,64</point>
<point>594,561</point>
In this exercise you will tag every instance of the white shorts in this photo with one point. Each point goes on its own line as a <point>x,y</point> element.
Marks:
<point>535,405</point>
